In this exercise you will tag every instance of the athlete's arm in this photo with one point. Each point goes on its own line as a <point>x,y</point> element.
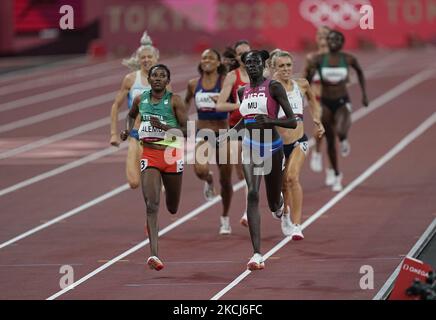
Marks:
<point>190,93</point>
<point>226,90</point>
<point>131,118</point>
<point>119,99</point>
<point>279,94</point>
<point>307,62</point>
<point>356,66</point>
<point>314,107</point>
<point>310,68</point>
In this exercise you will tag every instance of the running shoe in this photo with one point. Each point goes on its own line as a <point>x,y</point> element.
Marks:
<point>256,262</point>
<point>330,177</point>
<point>208,191</point>
<point>244,220</point>
<point>345,148</point>
<point>225,228</point>
<point>337,183</point>
<point>316,161</point>
<point>297,233</point>
<point>279,213</point>
<point>155,263</point>
<point>287,226</point>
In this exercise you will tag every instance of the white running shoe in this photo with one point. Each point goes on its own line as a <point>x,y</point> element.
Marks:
<point>244,219</point>
<point>208,191</point>
<point>345,148</point>
<point>330,177</point>
<point>316,161</point>
<point>279,213</point>
<point>155,263</point>
<point>287,226</point>
<point>337,183</point>
<point>297,233</point>
<point>225,226</point>
<point>256,262</point>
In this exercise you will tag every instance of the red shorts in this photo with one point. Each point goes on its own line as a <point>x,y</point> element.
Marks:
<point>234,118</point>
<point>169,160</point>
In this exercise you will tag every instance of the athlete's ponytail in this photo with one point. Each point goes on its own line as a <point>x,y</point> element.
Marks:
<point>133,62</point>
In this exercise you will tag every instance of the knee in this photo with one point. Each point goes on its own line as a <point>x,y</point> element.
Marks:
<point>201,173</point>
<point>253,196</point>
<point>290,180</point>
<point>152,207</point>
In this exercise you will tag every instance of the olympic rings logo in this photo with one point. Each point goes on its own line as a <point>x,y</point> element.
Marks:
<point>333,13</point>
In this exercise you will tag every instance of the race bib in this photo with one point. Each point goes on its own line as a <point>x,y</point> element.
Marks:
<point>254,104</point>
<point>204,102</point>
<point>149,133</point>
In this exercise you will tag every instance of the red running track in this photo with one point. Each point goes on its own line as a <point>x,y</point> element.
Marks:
<point>375,224</point>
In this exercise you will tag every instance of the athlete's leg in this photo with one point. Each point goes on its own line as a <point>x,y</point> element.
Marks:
<point>292,183</point>
<point>133,172</point>
<point>286,187</point>
<point>201,168</point>
<point>328,122</point>
<point>273,181</point>
<point>225,170</point>
<point>343,124</point>
<point>173,187</point>
<point>253,184</point>
<point>151,187</point>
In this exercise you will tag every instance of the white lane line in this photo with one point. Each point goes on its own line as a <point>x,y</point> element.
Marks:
<point>43,70</point>
<point>32,265</point>
<point>365,175</point>
<point>59,136</point>
<point>74,164</point>
<point>62,111</point>
<point>98,154</point>
<point>84,104</point>
<point>393,93</point>
<point>57,93</point>
<point>426,236</point>
<point>140,245</point>
<point>350,187</point>
<point>58,78</point>
<point>68,214</point>
<point>89,103</point>
<point>71,89</point>
<point>105,98</point>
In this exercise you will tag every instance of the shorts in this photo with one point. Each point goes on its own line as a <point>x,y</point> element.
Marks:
<point>168,160</point>
<point>302,143</point>
<point>261,155</point>
<point>234,118</point>
<point>334,104</point>
<point>262,150</point>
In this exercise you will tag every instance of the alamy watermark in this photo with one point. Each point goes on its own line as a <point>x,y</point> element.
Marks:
<point>68,276</point>
<point>367,280</point>
<point>67,20</point>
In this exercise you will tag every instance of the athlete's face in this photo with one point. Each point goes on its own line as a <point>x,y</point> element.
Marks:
<point>240,50</point>
<point>158,79</point>
<point>323,45</point>
<point>147,58</point>
<point>283,67</point>
<point>254,66</point>
<point>209,61</point>
<point>321,34</point>
<point>335,41</point>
